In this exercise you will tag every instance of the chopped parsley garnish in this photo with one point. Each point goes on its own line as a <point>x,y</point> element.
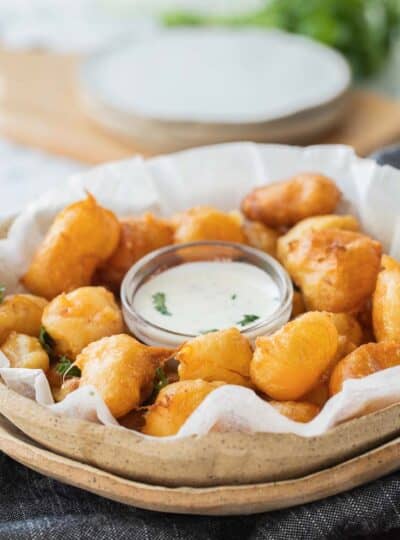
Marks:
<point>247,319</point>
<point>209,331</point>
<point>66,368</point>
<point>160,380</point>
<point>46,341</point>
<point>159,303</point>
<point>2,291</point>
<point>234,296</point>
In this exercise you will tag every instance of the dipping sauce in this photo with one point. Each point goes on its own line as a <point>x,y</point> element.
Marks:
<point>204,296</point>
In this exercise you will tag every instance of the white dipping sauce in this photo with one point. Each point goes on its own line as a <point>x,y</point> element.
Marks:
<point>198,297</point>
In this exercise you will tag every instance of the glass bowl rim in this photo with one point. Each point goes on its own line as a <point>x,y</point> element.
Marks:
<point>248,250</point>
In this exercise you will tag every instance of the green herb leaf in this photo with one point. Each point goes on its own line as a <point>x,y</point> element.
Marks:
<point>234,296</point>
<point>363,30</point>
<point>159,303</point>
<point>247,319</point>
<point>2,293</point>
<point>209,331</point>
<point>46,341</point>
<point>160,380</point>
<point>66,368</point>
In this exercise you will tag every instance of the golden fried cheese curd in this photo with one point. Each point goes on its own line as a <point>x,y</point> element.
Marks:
<point>289,363</point>
<point>335,269</point>
<point>139,236</point>
<point>25,351</point>
<point>81,237</point>
<point>386,301</point>
<point>299,411</point>
<point>80,317</point>
<point>285,203</point>
<point>21,313</point>
<point>260,236</point>
<point>363,361</point>
<point>121,369</point>
<point>174,404</point>
<point>205,223</point>
<point>224,355</point>
<point>318,223</point>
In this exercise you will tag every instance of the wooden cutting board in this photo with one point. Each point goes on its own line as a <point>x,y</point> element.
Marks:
<point>39,107</point>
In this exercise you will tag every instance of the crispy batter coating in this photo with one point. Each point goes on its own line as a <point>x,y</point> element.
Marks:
<point>298,306</point>
<point>22,313</point>
<point>348,327</point>
<point>299,411</point>
<point>260,236</point>
<point>319,395</point>
<point>174,404</point>
<point>206,223</point>
<point>67,387</point>
<point>283,204</point>
<point>81,237</point>
<point>335,269</point>
<point>217,356</point>
<point>386,302</point>
<point>25,352</point>
<point>139,236</point>
<point>364,361</point>
<point>80,317</point>
<point>121,369</point>
<point>319,223</point>
<point>290,362</point>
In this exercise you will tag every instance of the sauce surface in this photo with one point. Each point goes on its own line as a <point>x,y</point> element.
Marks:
<point>200,297</point>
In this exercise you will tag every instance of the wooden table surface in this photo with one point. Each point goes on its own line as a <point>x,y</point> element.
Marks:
<point>39,107</point>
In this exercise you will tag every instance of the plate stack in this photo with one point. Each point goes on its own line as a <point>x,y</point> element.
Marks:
<point>185,88</point>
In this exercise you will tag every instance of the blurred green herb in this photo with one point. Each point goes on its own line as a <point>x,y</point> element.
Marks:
<point>362,30</point>
<point>66,368</point>
<point>159,303</point>
<point>46,341</point>
<point>2,293</point>
<point>234,296</point>
<point>160,380</point>
<point>247,319</point>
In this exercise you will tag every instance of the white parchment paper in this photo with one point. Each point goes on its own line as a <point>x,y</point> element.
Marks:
<point>221,176</point>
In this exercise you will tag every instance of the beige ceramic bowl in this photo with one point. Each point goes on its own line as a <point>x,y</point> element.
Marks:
<point>211,460</point>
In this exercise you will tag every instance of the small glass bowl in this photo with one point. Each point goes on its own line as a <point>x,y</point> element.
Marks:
<point>164,258</point>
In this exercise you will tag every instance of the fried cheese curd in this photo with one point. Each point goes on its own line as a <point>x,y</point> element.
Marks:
<point>298,411</point>
<point>318,223</point>
<point>81,237</point>
<point>285,203</point>
<point>224,355</point>
<point>364,361</point>
<point>289,363</point>
<point>203,223</point>
<point>67,387</point>
<point>139,236</point>
<point>386,302</point>
<point>335,269</point>
<point>80,317</point>
<point>174,404</point>
<point>25,351</point>
<point>260,236</point>
<point>121,369</point>
<point>21,313</point>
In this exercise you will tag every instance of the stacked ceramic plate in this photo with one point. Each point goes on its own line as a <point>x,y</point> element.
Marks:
<point>183,88</point>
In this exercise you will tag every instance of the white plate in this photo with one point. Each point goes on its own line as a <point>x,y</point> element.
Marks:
<point>217,76</point>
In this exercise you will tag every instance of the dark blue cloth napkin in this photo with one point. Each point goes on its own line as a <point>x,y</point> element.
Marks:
<point>33,507</point>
